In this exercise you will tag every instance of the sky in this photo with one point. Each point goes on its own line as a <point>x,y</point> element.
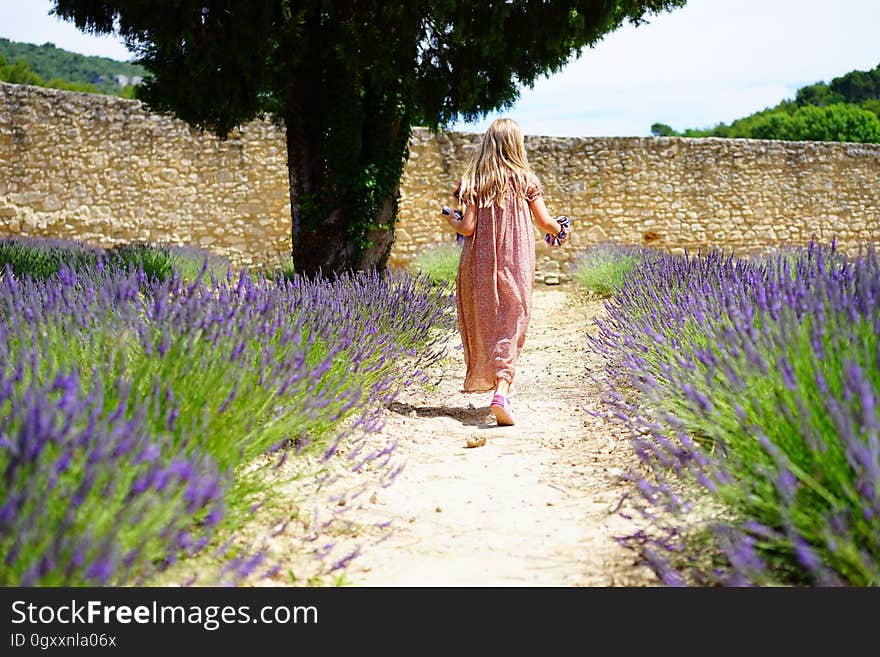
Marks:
<point>709,62</point>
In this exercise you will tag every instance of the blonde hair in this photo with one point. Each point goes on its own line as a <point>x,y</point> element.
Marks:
<point>501,159</point>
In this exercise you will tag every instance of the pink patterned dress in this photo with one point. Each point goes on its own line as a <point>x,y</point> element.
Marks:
<point>496,272</point>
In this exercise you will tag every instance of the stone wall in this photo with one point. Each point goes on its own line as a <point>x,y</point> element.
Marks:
<point>106,171</point>
<point>672,193</point>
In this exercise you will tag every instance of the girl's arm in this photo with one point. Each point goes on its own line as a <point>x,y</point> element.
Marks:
<point>467,224</point>
<point>542,217</point>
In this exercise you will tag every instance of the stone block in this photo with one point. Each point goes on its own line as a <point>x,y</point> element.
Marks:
<point>596,234</point>
<point>52,204</point>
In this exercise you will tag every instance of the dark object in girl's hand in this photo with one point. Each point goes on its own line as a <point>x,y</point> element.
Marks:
<point>457,213</point>
<point>558,239</point>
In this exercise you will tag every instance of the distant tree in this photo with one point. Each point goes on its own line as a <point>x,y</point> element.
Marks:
<point>771,125</point>
<point>67,70</point>
<point>21,73</point>
<point>59,83</point>
<point>857,90</point>
<point>872,105</point>
<point>18,73</point>
<point>839,122</point>
<point>663,130</point>
<point>857,86</point>
<point>819,94</point>
<point>347,80</point>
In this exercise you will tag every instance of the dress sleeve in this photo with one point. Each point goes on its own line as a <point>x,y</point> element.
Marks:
<point>534,190</point>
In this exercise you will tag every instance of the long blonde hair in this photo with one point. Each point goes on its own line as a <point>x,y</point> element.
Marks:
<point>501,159</point>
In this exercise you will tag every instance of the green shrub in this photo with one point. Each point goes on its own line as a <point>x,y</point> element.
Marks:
<point>604,267</point>
<point>439,263</point>
<point>160,260</point>
<point>41,258</point>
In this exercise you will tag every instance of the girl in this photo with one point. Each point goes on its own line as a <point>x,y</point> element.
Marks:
<point>501,197</point>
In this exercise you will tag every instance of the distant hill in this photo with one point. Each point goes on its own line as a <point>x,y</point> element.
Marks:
<point>55,67</point>
<point>846,109</point>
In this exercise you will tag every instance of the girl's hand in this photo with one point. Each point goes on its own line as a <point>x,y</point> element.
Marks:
<point>463,223</point>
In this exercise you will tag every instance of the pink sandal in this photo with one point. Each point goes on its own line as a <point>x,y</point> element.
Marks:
<point>500,406</point>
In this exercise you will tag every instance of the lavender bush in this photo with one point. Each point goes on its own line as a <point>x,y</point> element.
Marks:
<point>752,392</point>
<point>39,257</point>
<point>206,376</point>
<point>89,494</point>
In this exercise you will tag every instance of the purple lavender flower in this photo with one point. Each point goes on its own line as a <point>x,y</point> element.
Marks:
<point>772,368</point>
<point>307,354</point>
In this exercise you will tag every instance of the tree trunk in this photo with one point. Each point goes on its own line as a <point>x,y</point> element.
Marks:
<point>327,235</point>
<point>325,249</point>
<point>328,247</point>
<point>381,240</point>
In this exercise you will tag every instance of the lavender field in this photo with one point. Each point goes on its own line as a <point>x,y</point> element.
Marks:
<point>751,390</point>
<point>148,394</point>
<point>139,387</point>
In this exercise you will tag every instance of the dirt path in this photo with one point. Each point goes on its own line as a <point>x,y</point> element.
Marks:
<point>534,505</point>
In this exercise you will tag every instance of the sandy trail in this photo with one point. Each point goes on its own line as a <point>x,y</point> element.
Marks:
<point>535,505</point>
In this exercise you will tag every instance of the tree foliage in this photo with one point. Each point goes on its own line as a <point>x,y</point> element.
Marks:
<point>19,73</point>
<point>838,122</point>
<point>662,130</point>
<point>347,79</point>
<point>819,94</point>
<point>857,86</point>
